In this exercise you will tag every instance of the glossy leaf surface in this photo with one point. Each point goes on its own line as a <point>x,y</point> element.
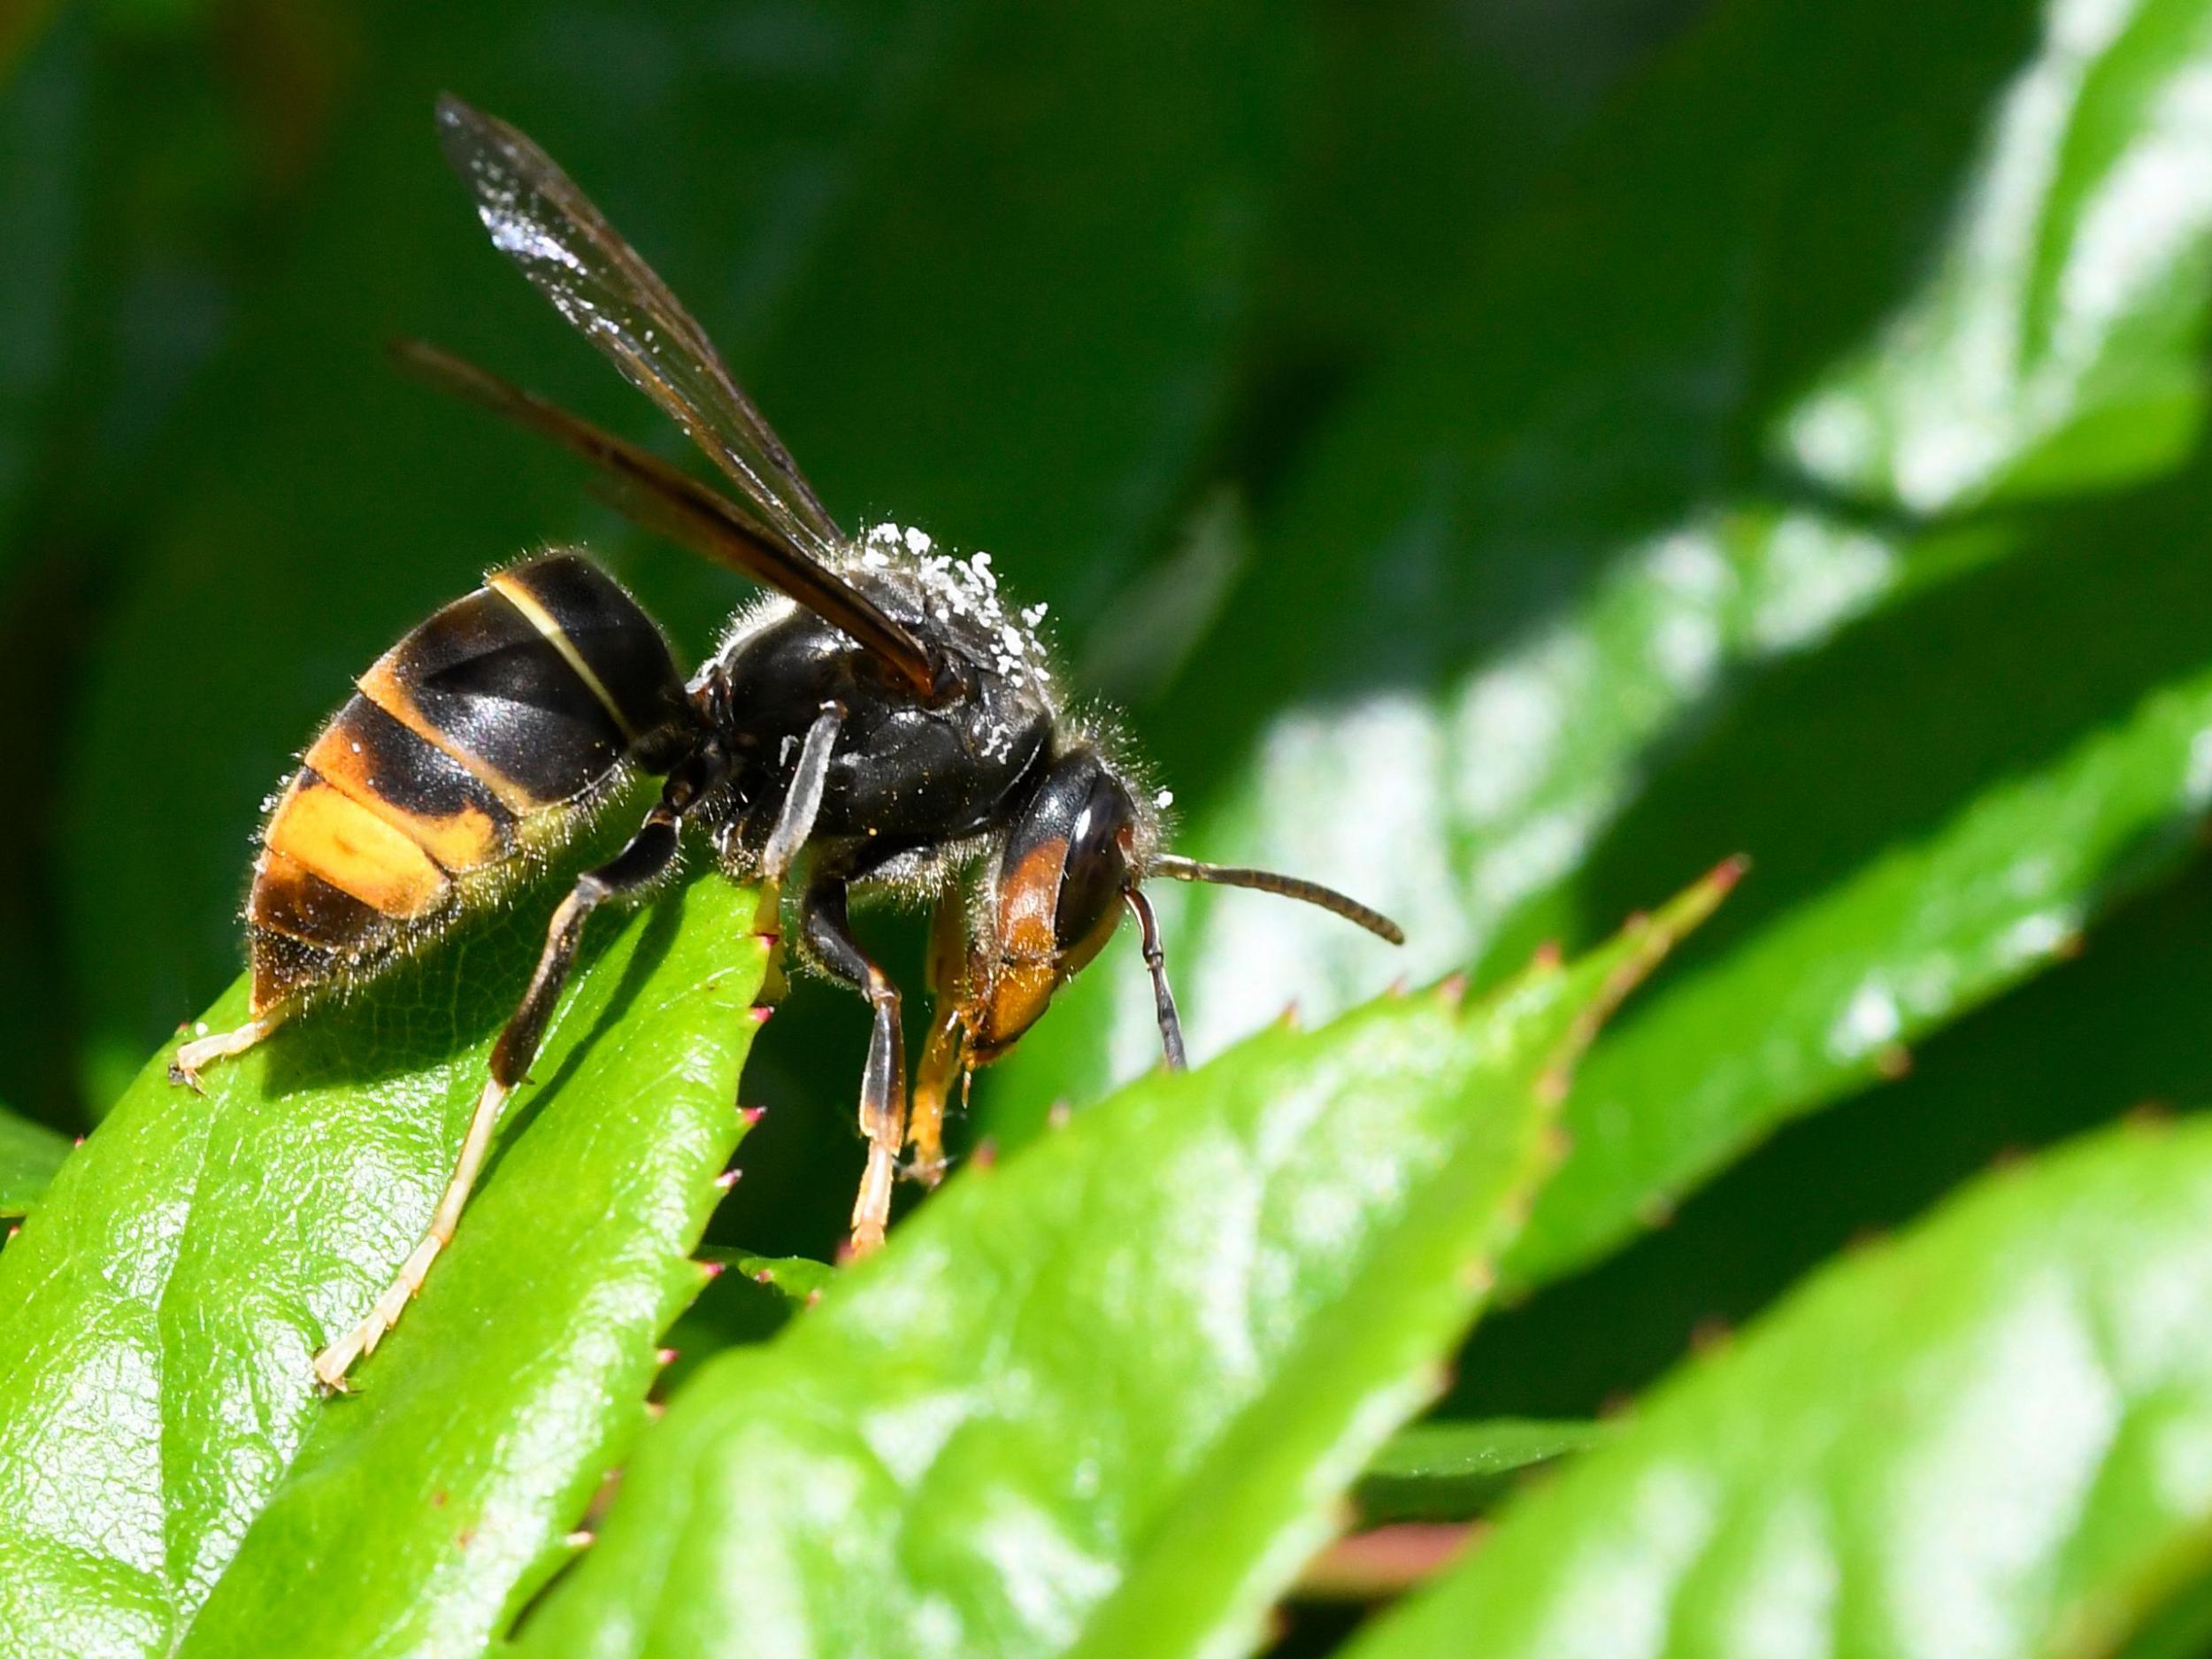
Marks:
<point>161,1430</point>
<point>2084,785</point>
<point>1095,1399</point>
<point>2009,1464</point>
<point>1573,657</point>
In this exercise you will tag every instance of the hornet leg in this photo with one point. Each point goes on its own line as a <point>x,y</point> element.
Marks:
<point>650,852</point>
<point>944,1060</point>
<point>804,800</point>
<point>184,1067</point>
<point>828,934</point>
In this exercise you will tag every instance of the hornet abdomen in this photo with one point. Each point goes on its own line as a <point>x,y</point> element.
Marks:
<point>488,730</point>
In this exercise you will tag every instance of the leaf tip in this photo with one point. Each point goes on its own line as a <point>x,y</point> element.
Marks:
<point>1644,941</point>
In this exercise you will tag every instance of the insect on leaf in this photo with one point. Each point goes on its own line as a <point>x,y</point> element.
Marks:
<point>1094,1400</point>
<point>1709,646</point>
<point>161,1436</point>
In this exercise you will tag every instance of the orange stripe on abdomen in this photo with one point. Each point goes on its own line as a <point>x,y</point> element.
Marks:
<point>358,755</point>
<point>322,830</point>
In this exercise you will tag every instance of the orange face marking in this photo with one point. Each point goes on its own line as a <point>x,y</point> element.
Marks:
<point>1020,991</point>
<point>466,841</point>
<point>1018,985</point>
<point>324,830</point>
<point>1029,897</point>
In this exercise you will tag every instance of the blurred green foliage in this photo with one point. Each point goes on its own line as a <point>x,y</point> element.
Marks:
<point>1798,1493</point>
<point>1503,457</point>
<point>1060,291</point>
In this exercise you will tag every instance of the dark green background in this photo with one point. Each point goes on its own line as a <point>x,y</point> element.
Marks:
<point>1104,290</point>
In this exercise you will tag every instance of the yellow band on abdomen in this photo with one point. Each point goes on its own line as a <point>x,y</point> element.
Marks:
<point>325,831</point>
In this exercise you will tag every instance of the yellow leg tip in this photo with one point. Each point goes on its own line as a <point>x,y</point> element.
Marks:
<point>332,1364</point>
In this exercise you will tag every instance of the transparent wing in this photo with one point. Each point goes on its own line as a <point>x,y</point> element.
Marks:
<point>688,513</point>
<point>539,219</point>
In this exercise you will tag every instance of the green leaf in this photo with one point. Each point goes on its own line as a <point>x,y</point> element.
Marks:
<point>798,1281</point>
<point>1094,1400</point>
<point>1856,956</point>
<point>749,1299</point>
<point>2056,349</point>
<point>157,1414</point>
<point>967,292</point>
<point>1986,1436</point>
<point>29,1155</point>
<point>1451,1471</point>
<point>1494,745</point>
